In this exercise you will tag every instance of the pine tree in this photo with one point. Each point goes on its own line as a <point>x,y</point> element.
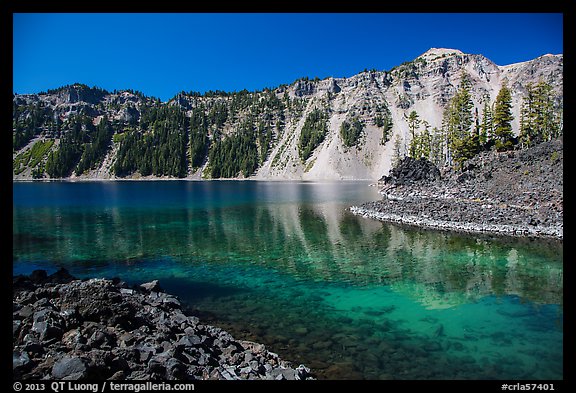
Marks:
<point>95,151</point>
<point>413,123</point>
<point>503,120</point>
<point>425,141</point>
<point>199,142</point>
<point>420,145</point>
<point>313,132</point>
<point>540,121</point>
<point>399,152</point>
<point>457,123</point>
<point>264,140</point>
<point>487,125</point>
<point>383,119</point>
<point>351,132</point>
<point>528,135</point>
<point>437,142</point>
<point>477,128</point>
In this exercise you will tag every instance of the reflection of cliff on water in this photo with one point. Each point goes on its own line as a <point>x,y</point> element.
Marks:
<point>311,241</point>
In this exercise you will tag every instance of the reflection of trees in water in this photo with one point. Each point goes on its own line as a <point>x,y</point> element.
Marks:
<point>443,269</point>
<point>319,241</point>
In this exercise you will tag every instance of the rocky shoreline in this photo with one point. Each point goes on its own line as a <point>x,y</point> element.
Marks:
<point>517,193</point>
<point>70,329</point>
<point>372,210</point>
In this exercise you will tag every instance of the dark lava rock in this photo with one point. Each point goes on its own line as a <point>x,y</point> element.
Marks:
<point>411,170</point>
<point>61,276</point>
<point>20,359</point>
<point>69,368</point>
<point>509,193</point>
<point>64,328</point>
<point>38,276</point>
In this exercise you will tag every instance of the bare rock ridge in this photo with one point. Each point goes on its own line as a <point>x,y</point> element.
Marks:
<point>98,329</point>
<point>517,193</point>
<point>381,100</point>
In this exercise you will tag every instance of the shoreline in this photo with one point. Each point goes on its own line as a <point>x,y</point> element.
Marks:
<point>100,329</point>
<point>515,193</point>
<point>525,231</point>
<point>188,179</point>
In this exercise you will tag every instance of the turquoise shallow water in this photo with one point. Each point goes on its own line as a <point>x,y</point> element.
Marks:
<point>285,264</point>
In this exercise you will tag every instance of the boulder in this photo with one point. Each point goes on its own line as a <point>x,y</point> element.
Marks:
<point>152,286</point>
<point>38,276</point>
<point>69,367</point>
<point>61,276</point>
<point>20,359</point>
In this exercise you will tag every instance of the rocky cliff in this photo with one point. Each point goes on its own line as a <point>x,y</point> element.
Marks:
<point>380,100</point>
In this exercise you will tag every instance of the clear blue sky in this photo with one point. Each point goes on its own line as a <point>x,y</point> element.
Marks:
<point>162,54</point>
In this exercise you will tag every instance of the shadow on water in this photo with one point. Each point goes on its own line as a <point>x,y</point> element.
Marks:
<point>193,292</point>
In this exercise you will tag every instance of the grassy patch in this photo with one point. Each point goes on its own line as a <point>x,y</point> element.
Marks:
<point>309,165</point>
<point>31,157</point>
<point>117,138</point>
<point>555,156</point>
<point>39,151</point>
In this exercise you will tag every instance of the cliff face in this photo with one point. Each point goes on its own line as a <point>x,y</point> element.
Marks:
<point>424,85</point>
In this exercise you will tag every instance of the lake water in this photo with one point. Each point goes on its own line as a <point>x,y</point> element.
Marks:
<point>284,263</point>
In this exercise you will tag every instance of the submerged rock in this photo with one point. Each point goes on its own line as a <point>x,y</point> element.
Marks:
<point>64,328</point>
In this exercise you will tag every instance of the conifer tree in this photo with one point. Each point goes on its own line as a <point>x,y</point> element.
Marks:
<point>477,130</point>
<point>437,147</point>
<point>457,124</point>
<point>487,125</point>
<point>398,153</point>
<point>420,145</point>
<point>351,131</point>
<point>503,119</point>
<point>413,123</point>
<point>425,141</point>
<point>313,132</point>
<point>540,121</point>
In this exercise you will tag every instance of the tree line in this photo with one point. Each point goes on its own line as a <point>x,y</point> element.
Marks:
<point>158,148</point>
<point>233,133</point>
<point>464,132</point>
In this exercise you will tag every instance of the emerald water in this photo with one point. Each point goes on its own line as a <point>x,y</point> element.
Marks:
<point>283,263</point>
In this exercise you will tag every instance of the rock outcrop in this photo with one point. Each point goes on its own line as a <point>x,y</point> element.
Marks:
<point>412,170</point>
<point>517,193</point>
<point>70,329</point>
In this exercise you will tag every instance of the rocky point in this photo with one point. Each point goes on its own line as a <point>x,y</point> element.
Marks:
<point>518,193</point>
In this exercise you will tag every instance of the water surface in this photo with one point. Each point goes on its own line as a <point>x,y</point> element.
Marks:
<point>285,264</point>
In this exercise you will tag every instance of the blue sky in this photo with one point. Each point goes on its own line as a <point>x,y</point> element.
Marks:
<point>162,54</point>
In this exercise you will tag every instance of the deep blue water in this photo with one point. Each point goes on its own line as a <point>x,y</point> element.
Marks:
<point>285,264</point>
